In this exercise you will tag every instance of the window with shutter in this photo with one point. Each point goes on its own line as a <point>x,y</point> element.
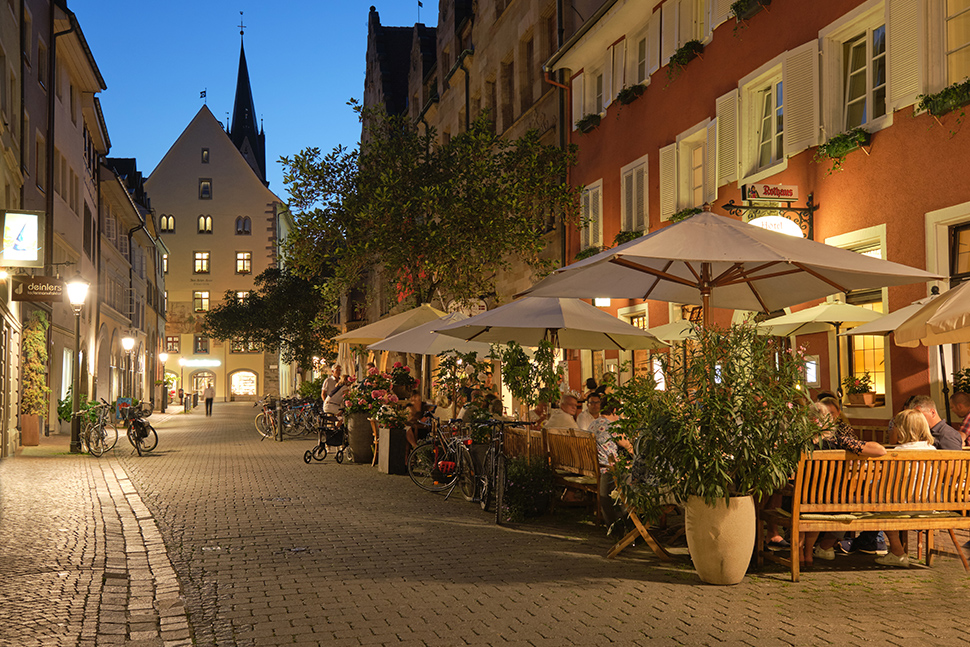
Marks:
<point>578,98</point>
<point>801,98</point>
<point>727,137</point>
<point>591,234</point>
<point>634,204</point>
<point>668,181</point>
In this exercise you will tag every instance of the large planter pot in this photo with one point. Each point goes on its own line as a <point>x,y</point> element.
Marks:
<point>29,430</point>
<point>360,436</point>
<point>720,538</point>
<point>862,399</point>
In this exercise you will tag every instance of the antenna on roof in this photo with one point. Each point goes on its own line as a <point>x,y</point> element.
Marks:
<point>242,27</point>
<point>227,121</point>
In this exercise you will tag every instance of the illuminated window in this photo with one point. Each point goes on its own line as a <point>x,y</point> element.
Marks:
<point>242,297</point>
<point>205,155</point>
<point>172,344</point>
<point>241,346</point>
<point>165,263</point>
<point>201,345</point>
<point>244,262</point>
<point>864,77</point>
<point>201,263</point>
<point>205,189</point>
<point>166,223</point>
<point>868,352</point>
<point>200,301</point>
<point>205,224</point>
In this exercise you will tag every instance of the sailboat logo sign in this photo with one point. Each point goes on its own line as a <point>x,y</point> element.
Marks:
<point>21,239</point>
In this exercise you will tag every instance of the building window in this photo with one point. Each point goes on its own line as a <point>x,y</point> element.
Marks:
<point>166,224</point>
<point>172,344</point>
<point>591,234</point>
<point>164,263</point>
<point>205,189</point>
<point>205,224</point>
<point>200,301</point>
<point>242,296</point>
<point>201,345</point>
<point>243,226</point>
<point>771,127</point>
<point>864,77</point>
<point>867,353</point>
<point>634,186</point>
<point>688,174</point>
<point>205,155</point>
<point>201,263</point>
<point>241,346</point>
<point>957,41</point>
<point>244,262</point>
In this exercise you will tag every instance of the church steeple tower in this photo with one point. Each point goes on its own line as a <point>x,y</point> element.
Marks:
<point>243,132</point>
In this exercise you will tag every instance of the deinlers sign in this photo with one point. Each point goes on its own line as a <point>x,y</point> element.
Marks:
<point>37,288</point>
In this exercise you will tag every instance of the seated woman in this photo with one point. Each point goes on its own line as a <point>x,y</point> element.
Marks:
<point>418,425</point>
<point>835,434</point>
<point>607,450</point>
<point>913,433</point>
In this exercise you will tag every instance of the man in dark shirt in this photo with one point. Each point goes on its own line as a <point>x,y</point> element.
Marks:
<point>944,436</point>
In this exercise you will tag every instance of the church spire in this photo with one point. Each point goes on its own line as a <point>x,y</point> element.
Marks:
<point>244,132</point>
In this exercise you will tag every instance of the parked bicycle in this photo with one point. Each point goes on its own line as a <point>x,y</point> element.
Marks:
<point>141,434</point>
<point>433,464</point>
<point>266,423</point>
<point>98,433</point>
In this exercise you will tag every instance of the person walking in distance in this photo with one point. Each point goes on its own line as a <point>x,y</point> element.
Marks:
<point>209,395</point>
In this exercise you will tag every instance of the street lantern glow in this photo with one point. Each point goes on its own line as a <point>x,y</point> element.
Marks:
<point>163,357</point>
<point>127,343</point>
<point>77,292</point>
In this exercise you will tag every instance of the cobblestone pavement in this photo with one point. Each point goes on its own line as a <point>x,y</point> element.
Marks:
<point>270,551</point>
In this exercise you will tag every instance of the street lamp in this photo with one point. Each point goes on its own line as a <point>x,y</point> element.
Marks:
<point>77,292</point>
<point>128,343</point>
<point>164,358</point>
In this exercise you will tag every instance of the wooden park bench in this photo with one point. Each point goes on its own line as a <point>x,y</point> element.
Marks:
<point>573,457</point>
<point>904,490</point>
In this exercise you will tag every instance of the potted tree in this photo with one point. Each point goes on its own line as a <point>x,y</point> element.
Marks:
<point>961,381</point>
<point>34,391</point>
<point>858,390</point>
<point>363,402</point>
<point>729,427</point>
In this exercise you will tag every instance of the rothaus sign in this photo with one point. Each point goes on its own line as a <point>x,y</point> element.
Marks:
<point>773,192</point>
<point>37,288</point>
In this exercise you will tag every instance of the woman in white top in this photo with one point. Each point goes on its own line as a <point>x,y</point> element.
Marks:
<point>913,433</point>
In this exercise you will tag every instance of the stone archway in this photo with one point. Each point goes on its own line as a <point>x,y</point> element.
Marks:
<point>243,385</point>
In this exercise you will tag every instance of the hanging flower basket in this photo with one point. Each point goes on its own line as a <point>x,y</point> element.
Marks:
<point>745,9</point>
<point>630,93</point>
<point>589,123</point>
<point>837,148</point>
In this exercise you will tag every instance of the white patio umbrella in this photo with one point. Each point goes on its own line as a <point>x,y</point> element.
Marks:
<point>425,340</point>
<point>943,320</point>
<point>566,323</point>
<point>820,318</point>
<point>887,323</point>
<point>379,330</point>
<point>718,261</point>
<point>673,331</point>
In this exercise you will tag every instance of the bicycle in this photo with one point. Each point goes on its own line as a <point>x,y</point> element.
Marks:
<point>98,433</point>
<point>433,464</point>
<point>141,434</point>
<point>266,419</point>
<point>493,483</point>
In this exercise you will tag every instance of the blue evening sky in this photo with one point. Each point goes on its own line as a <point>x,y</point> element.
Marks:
<point>305,57</point>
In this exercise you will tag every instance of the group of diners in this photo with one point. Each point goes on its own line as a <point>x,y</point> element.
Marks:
<point>918,427</point>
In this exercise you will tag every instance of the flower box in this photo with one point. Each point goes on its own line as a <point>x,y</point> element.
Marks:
<point>861,399</point>
<point>745,9</point>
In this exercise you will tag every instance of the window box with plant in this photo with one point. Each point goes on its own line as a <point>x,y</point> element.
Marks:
<point>745,9</point>
<point>685,54</point>
<point>630,93</point>
<point>950,98</point>
<point>858,390</point>
<point>626,236</point>
<point>589,122</point>
<point>586,253</point>
<point>837,148</point>
<point>684,214</point>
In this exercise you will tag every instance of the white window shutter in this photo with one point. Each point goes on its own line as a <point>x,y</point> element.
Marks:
<point>587,214</point>
<point>710,163</point>
<point>608,78</point>
<point>720,12</point>
<point>727,138</point>
<point>596,225</point>
<point>629,201</point>
<point>668,31</point>
<point>903,35</point>
<point>640,198</point>
<point>619,65</point>
<point>668,181</point>
<point>800,83</point>
<point>653,44</point>
<point>578,96</point>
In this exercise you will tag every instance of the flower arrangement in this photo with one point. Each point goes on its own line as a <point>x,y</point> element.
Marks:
<point>586,253</point>
<point>401,376</point>
<point>858,383</point>
<point>627,236</point>
<point>535,379</point>
<point>946,100</point>
<point>457,371</point>
<point>589,122</point>
<point>370,394</point>
<point>630,93</point>
<point>837,148</point>
<point>392,415</point>
<point>685,213</point>
<point>684,55</point>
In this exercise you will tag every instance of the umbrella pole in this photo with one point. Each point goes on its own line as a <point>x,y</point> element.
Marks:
<point>946,387</point>
<point>838,362</point>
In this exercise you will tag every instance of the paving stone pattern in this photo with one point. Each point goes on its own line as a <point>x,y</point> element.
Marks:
<point>270,551</point>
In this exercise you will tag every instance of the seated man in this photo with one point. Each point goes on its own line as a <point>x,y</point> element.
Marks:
<point>593,407</point>
<point>944,436</point>
<point>565,416</point>
<point>961,406</point>
<point>470,411</point>
<point>537,415</point>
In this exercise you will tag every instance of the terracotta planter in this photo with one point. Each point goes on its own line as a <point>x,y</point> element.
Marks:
<point>720,538</point>
<point>29,430</point>
<point>862,399</point>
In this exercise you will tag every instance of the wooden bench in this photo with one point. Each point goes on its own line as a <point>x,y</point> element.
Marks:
<point>572,455</point>
<point>904,490</point>
<point>520,441</point>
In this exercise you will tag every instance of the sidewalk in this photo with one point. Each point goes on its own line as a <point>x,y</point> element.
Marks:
<point>82,558</point>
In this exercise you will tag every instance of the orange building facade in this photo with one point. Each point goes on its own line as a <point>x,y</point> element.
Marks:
<point>754,109</point>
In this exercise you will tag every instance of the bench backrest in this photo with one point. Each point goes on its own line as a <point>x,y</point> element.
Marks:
<point>520,441</point>
<point>573,450</point>
<point>833,481</point>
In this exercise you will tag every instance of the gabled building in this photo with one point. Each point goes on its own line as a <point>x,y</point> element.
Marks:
<point>222,226</point>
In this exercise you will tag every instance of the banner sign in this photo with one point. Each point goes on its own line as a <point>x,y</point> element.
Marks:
<point>772,192</point>
<point>37,288</point>
<point>23,236</point>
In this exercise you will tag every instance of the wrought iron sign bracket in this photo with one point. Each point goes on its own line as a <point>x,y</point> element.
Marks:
<point>804,217</point>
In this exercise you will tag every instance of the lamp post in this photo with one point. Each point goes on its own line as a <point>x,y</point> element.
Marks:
<point>77,292</point>
<point>164,358</point>
<point>127,343</point>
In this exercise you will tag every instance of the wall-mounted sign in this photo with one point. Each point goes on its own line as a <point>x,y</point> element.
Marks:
<point>23,235</point>
<point>773,192</point>
<point>778,223</point>
<point>476,307</point>
<point>37,288</point>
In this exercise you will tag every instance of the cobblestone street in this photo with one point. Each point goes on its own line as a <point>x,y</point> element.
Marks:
<point>270,551</point>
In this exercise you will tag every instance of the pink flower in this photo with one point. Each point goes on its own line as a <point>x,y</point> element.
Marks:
<point>397,364</point>
<point>346,403</point>
<point>361,401</point>
<point>392,398</point>
<point>376,395</point>
<point>372,371</point>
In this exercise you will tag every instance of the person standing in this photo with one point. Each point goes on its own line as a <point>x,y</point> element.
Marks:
<point>209,395</point>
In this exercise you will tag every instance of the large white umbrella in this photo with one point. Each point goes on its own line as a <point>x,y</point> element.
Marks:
<point>566,323</point>
<point>425,340</point>
<point>717,261</point>
<point>944,320</point>
<point>379,330</point>
<point>887,323</point>
<point>673,331</point>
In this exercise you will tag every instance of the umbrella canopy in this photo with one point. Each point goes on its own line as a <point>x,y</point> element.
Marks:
<point>944,320</point>
<point>887,323</point>
<point>721,262</point>
<point>820,318</point>
<point>567,323</point>
<point>673,331</point>
<point>379,330</point>
<point>424,340</point>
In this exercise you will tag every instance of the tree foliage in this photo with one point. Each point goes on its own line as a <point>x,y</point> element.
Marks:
<point>435,218</point>
<point>34,392</point>
<point>284,313</point>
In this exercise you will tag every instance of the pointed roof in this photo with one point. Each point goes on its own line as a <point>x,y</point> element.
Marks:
<point>243,132</point>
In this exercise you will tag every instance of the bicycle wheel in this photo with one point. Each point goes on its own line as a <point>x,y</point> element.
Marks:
<point>500,489</point>
<point>266,424</point>
<point>431,467</point>
<point>467,479</point>
<point>149,442</point>
<point>134,439</point>
<point>488,473</point>
<point>319,452</point>
<point>110,431</point>
<point>95,440</point>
